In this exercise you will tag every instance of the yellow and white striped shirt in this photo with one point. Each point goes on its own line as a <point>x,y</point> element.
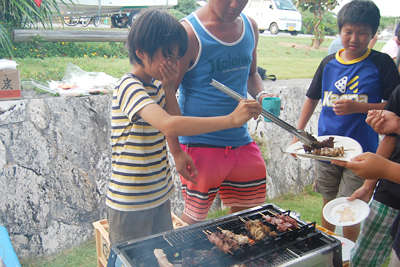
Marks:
<point>141,178</point>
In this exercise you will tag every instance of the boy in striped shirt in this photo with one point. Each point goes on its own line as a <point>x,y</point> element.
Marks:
<point>141,183</point>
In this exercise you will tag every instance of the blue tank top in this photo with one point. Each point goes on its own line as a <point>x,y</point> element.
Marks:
<point>228,63</point>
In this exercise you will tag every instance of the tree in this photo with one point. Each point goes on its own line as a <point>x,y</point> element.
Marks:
<point>17,14</point>
<point>318,9</point>
<point>186,6</point>
<point>329,22</point>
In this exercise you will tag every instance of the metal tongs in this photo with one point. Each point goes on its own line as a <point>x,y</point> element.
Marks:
<point>306,138</point>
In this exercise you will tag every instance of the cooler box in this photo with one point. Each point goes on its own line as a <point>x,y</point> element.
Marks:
<point>7,252</point>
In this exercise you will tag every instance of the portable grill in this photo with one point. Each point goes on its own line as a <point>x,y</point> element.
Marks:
<point>189,246</point>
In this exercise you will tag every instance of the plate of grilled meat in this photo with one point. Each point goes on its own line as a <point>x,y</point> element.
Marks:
<point>327,147</point>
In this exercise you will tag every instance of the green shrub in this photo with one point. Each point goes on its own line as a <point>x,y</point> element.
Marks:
<point>38,48</point>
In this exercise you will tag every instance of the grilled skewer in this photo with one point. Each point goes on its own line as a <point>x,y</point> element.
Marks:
<point>219,243</point>
<point>280,221</point>
<point>239,238</point>
<point>258,230</point>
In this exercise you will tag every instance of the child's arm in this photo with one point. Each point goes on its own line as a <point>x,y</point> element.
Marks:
<point>371,166</point>
<point>365,168</point>
<point>306,112</point>
<point>183,162</point>
<point>175,126</point>
<point>346,106</point>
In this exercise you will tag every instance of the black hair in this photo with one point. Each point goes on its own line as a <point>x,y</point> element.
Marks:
<point>360,12</point>
<point>155,29</point>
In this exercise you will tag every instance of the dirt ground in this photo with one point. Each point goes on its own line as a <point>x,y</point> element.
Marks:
<point>302,46</point>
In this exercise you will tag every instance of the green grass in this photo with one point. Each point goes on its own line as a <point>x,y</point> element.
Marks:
<point>82,256</point>
<point>54,68</point>
<point>292,58</point>
<point>276,54</point>
<point>285,57</point>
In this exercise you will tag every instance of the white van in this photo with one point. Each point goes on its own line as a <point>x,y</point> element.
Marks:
<point>274,15</point>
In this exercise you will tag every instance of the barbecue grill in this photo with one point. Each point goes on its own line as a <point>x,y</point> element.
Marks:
<point>189,246</point>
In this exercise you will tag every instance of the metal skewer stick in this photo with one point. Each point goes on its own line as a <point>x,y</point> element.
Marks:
<point>300,134</point>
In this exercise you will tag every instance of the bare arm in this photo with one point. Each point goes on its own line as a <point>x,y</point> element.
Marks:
<point>370,166</point>
<point>183,162</point>
<point>189,58</point>
<point>181,125</point>
<point>365,167</point>
<point>306,112</point>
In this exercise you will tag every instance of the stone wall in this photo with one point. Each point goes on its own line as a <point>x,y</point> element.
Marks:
<point>55,163</point>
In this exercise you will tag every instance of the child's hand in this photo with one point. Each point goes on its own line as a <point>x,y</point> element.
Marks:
<point>344,107</point>
<point>366,166</point>
<point>169,72</point>
<point>246,110</point>
<point>362,193</point>
<point>383,121</point>
<point>184,166</point>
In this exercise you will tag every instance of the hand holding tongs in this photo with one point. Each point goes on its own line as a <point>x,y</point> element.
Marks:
<point>306,138</point>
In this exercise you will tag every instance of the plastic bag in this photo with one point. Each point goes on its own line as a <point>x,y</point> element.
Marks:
<point>77,82</point>
<point>6,64</point>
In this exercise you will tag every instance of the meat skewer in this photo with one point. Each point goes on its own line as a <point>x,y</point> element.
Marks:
<point>239,238</point>
<point>258,230</point>
<point>319,144</point>
<point>325,148</point>
<point>283,222</point>
<point>219,243</point>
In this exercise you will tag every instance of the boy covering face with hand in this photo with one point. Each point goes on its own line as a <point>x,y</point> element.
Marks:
<point>141,183</point>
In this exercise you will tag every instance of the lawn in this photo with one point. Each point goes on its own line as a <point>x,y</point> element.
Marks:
<point>285,57</point>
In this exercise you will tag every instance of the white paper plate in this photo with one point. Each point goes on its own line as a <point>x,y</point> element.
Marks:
<point>347,246</point>
<point>352,148</point>
<point>342,212</point>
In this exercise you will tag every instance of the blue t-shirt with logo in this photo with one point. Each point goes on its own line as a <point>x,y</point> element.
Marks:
<point>368,79</point>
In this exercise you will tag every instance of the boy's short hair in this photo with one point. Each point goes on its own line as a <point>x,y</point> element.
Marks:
<point>359,12</point>
<point>155,29</point>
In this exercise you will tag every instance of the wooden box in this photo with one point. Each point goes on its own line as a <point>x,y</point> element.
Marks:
<point>103,241</point>
<point>10,85</point>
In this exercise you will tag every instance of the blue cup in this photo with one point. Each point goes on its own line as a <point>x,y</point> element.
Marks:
<point>273,105</point>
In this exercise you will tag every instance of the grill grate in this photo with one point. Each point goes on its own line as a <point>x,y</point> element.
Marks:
<point>275,259</point>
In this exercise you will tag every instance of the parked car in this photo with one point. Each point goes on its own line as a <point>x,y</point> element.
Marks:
<point>274,15</point>
<point>122,12</point>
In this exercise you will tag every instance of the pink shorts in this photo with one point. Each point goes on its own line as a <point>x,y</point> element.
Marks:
<point>238,175</point>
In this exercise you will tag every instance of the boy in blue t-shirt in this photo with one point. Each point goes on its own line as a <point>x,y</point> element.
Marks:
<point>349,83</point>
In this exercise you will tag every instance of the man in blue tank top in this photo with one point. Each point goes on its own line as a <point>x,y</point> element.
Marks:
<point>222,46</point>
